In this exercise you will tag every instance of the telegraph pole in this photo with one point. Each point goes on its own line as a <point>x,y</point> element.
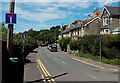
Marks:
<point>10,30</point>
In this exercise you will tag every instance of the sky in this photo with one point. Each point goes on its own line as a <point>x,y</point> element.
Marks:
<point>45,14</point>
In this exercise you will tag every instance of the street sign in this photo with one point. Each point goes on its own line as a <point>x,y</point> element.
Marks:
<point>10,18</point>
<point>24,36</point>
<point>99,37</point>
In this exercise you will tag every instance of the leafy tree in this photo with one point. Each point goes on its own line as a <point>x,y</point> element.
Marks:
<point>4,31</point>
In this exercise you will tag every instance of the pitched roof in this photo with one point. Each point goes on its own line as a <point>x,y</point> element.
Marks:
<point>116,29</point>
<point>113,10</point>
<point>86,21</point>
<point>90,20</point>
<point>72,27</point>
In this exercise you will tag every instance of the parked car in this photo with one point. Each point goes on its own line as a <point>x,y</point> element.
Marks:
<point>52,48</point>
<point>49,47</point>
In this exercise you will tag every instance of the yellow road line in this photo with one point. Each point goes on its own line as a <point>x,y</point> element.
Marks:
<point>47,74</point>
<point>43,69</point>
<point>95,65</point>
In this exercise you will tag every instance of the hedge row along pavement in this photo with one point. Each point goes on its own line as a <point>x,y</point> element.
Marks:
<point>110,46</point>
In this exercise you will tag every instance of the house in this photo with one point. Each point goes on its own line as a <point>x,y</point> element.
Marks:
<point>77,31</point>
<point>81,27</point>
<point>116,30</point>
<point>65,33</point>
<point>93,24</point>
<point>110,20</point>
<point>73,30</point>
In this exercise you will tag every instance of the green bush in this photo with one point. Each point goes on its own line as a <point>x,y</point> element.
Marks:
<point>46,43</point>
<point>112,62</point>
<point>96,58</point>
<point>63,43</point>
<point>110,46</point>
<point>74,45</point>
<point>90,44</point>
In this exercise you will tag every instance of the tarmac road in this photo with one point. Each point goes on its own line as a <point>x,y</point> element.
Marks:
<point>56,63</point>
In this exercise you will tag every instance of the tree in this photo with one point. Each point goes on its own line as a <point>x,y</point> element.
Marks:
<point>64,27</point>
<point>4,31</point>
<point>53,28</point>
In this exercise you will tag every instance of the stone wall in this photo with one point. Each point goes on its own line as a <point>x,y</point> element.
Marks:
<point>93,28</point>
<point>114,23</point>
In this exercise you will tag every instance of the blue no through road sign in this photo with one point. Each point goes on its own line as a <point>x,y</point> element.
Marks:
<point>24,36</point>
<point>99,37</point>
<point>10,18</point>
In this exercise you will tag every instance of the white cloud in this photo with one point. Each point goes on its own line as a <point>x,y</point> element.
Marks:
<point>55,0</point>
<point>71,5</point>
<point>105,2</point>
<point>51,0</point>
<point>42,14</point>
<point>86,14</point>
<point>27,26</point>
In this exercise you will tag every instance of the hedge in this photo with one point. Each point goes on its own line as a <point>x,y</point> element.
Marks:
<point>63,43</point>
<point>91,44</point>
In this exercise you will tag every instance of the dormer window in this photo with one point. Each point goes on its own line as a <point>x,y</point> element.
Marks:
<point>105,21</point>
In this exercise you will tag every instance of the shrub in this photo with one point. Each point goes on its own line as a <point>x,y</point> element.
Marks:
<point>46,43</point>
<point>63,43</point>
<point>74,45</point>
<point>110,46</point>
<point>90,44</point>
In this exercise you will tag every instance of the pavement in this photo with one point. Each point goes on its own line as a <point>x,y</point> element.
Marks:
<point>61,67</point>
<point>31,69</point>
<point>91,62</point>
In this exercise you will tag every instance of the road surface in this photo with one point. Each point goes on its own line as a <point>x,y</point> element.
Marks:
<point>57,63</point>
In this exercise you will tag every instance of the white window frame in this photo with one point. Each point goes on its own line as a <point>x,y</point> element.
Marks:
<point>106,20</point>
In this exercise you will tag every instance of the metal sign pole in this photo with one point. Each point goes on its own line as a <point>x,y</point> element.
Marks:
<point>99,38</point>
<point>23,48</point>
<point>100,52</point>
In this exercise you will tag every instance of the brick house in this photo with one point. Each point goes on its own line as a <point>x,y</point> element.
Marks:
<point>110,20</point>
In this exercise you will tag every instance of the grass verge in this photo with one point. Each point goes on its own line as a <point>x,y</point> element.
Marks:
<point>96,58</point>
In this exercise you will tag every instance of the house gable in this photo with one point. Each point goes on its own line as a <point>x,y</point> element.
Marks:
<point>105,12</point>
<point>91,21</point>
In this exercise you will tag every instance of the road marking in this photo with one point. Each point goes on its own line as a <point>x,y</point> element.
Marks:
<point>94,77</point>
<point>40,72</point>
<point>63,62</point>
<point>91,75</point>
<point>47,74</point>
<point>95,65</point>
<point>55,58</point>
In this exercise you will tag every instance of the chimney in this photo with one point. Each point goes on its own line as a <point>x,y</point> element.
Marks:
<point>96,12</point>
<point>89,17</point>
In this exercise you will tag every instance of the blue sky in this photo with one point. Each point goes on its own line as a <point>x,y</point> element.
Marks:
<point>43,15</point>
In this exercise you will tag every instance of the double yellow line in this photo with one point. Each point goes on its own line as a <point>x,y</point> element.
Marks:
<point>46,73</point>
<point>95,65</point>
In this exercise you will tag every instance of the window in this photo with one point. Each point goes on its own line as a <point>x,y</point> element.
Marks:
<point>105,20</point>
<point>78,32</point>
<point>106,31</point>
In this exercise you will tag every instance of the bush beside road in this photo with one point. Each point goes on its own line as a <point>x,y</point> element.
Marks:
<point>96,58</point>
<point>89,47</point>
